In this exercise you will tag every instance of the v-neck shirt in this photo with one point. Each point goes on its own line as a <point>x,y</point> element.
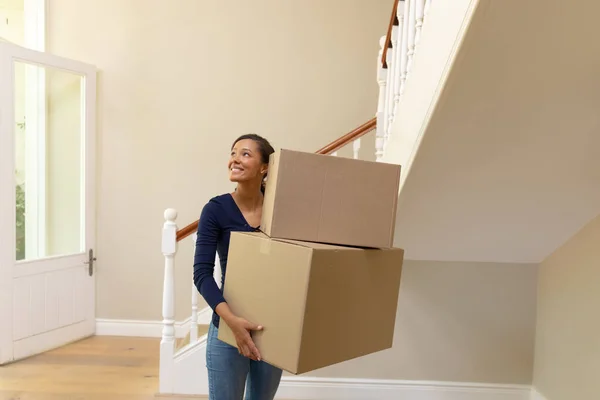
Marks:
<point>219,217</point>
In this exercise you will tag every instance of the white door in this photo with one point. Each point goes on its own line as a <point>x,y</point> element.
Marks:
<point>47,194</point>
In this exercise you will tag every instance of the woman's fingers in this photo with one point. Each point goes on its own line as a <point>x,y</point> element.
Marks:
<point>245,350</point>
<point>254,350</point>
<point>246,345</point>
<point>249,350</point>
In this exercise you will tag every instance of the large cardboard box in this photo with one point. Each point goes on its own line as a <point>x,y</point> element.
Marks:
<point>319,304</point>
<point>325,199</point>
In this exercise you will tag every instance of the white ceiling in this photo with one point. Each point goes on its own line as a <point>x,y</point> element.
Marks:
<point>509,167</point>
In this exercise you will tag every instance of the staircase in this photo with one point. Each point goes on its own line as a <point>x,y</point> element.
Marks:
<point>182,362</point>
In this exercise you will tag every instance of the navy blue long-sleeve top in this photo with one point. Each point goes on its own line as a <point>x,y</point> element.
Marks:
<point>219,217</point>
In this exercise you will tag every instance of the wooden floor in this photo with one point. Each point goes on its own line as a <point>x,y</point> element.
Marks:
<point>98,368</point>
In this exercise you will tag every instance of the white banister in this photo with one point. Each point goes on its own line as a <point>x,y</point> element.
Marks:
<point>404,39</point>
<point>167,343</point>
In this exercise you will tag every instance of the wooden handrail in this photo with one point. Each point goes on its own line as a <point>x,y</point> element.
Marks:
<point>388,37</point>
<point>330,148</point>
<point>349,137</point>
<point>187,230</point>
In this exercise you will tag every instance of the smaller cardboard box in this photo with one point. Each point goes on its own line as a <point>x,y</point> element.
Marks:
<point>319,304</point>
<point>325,199</point>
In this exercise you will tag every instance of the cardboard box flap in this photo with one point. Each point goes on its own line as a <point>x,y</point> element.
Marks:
<point>317,246</point>
<point>309,245</point>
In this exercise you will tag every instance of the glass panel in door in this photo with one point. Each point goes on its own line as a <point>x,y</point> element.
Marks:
<point>49,162</point>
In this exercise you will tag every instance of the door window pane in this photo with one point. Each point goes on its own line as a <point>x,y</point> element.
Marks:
<point>48,162</point>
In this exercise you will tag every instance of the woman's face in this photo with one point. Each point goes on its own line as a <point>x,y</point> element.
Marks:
<point>245,162</point>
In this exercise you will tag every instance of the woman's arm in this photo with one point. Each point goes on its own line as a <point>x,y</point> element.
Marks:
<point>204,266</point>
<point>204,256</point>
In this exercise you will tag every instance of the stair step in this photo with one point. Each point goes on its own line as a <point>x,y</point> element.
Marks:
<point>202,330</point>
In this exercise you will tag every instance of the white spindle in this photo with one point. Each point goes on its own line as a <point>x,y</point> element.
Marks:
<point>419,15</point>
<point>426,10</point>
<point>411,34</point>
<point>392,68</point>
<point>356,148</point>
<point>381,81</point>
<point>404,48</point>
<point>334,154</point>
<point>194,323</point>
<point>167,344</point>
<point>398,54</point>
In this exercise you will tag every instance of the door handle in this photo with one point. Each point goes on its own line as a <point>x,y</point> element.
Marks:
<point>90,262</point>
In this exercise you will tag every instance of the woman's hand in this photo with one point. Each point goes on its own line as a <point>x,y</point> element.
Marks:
<point>241,329</point>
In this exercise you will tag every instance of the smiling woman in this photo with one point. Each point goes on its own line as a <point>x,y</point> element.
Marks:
<point>252,147</point>
<point>228,367</point>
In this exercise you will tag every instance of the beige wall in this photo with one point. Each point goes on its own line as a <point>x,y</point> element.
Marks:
<point>567,352</point>
<point>178,83</point>
<point>462,322</point>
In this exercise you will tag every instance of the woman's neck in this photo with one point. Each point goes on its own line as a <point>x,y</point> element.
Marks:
<point>248,196</point>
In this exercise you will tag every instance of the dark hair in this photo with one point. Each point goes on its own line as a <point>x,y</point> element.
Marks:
<point>264,147</point>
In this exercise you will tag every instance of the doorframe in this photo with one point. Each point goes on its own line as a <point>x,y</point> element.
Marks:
<point>34,15</point>
<point>7,211</point>
<point>9,53</point>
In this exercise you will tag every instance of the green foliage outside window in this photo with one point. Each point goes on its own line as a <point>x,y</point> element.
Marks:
<point>20,222</point>
<point>20,211</point>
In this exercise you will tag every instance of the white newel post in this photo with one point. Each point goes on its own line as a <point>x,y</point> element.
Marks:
<point>381,81</point>
<point>167,344</point>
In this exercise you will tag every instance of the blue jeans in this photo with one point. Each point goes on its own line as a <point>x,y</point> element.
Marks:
<point>228,370</point>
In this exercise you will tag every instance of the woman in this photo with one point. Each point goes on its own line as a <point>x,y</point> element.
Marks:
<point>241,210</point>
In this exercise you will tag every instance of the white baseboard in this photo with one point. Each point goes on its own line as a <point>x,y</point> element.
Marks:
<point>125,327</point>
<point>139,328</point>
<point>308,388</point>
<point>535,395</point>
